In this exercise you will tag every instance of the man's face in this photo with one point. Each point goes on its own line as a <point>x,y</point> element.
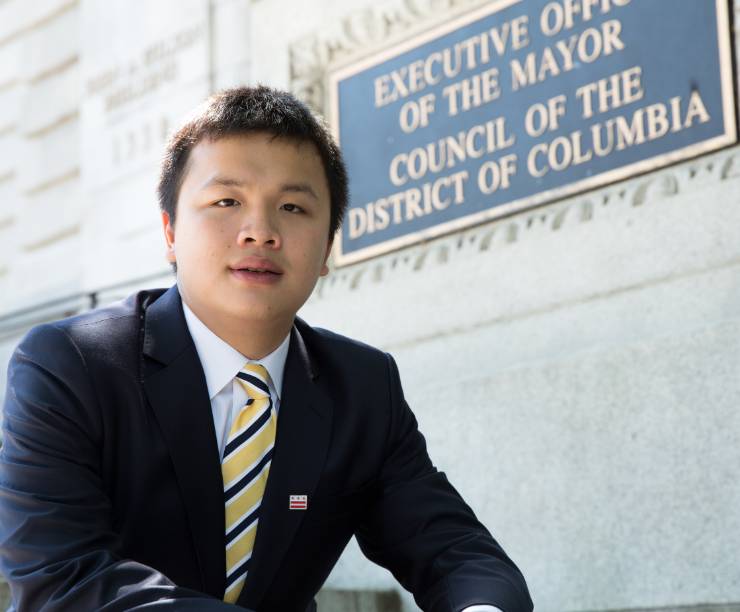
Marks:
<point>251,235</point>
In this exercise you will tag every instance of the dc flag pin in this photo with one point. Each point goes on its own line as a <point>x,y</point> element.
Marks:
<point>298,502</point>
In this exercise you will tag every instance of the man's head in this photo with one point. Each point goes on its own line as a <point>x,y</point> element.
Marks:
<point>252,190</point>
<point>244,110</point>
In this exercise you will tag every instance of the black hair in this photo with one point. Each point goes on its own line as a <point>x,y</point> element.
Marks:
<point>243,110</point>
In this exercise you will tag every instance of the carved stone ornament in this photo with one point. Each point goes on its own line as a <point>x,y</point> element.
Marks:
<point>357,34</point>
<point>622,199</point>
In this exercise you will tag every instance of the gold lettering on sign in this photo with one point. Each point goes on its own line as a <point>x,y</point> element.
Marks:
<point>611,92</point>
<point>468,54</point>
<point>583,48</point>
<point>405,206</point>
<point>450,151</point>
<point>472,92</point>
<point>646,124</point>
<point>566,14</point>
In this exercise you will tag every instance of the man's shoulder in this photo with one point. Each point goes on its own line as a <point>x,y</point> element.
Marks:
<point>334,340</point>
<point>327,341</point>
<point>113,326</point>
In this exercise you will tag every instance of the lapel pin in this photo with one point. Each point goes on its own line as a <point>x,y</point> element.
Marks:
<point>298,502</point>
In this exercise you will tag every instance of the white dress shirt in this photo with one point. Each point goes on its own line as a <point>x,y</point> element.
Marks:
<point>221,362</point>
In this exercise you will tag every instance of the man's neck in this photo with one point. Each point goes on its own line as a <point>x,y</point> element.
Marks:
<point>253,339</point>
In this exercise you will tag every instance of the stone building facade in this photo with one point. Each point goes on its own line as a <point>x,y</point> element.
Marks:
<point>593,342</point>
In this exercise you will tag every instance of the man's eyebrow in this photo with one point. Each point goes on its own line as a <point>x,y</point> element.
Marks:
<point>227,181</point>
<point>299,188</point>
<point>222,181</point>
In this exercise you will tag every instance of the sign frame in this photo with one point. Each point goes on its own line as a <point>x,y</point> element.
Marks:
<point>353,67</point>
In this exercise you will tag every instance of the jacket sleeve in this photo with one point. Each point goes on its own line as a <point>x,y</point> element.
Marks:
<point>426,535</point>
<point>57,544</point>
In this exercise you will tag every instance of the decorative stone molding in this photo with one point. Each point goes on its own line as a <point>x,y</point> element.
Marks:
<point>697,608</point>
<point>556,217</point>
<point>57,236</point>
<point>36,18</point>
<point>357,34</point>
<point>362,32</point>
<point>49,183</point>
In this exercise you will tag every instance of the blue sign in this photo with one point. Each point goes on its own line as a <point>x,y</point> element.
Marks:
<point>521,102</point>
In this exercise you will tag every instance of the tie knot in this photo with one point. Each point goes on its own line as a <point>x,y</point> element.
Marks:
<point>255,380</point>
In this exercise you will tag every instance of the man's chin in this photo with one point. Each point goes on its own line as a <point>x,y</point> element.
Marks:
<point>260,313</point>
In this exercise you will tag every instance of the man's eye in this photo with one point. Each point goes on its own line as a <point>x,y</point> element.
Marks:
<point>226,202</point>
<point>294,208</point>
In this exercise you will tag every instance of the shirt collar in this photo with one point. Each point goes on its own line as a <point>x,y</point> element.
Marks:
<point>221,362</point>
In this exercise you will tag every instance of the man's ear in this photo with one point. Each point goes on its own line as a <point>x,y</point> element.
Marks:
<point>169,237</point>
<point>324,267</point>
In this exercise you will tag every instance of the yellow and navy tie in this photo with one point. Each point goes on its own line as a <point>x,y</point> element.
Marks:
<point>245,466</point>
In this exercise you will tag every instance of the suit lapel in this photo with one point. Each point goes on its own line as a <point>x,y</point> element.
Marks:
<point>176,388</point>
<point>303,434</point>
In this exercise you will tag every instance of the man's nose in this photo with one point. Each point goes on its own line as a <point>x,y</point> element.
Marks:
<point>259,228</point>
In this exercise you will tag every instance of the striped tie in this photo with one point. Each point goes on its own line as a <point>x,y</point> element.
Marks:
<point>245,466</point>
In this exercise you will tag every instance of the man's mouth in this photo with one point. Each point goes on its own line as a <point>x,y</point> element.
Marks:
<point>258,270</point>
<point>257,265</point>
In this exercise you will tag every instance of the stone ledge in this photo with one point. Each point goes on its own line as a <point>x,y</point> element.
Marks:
<point>4,595</point>
<point>726,607</point>
<point>328,600</point>
<point>332,600</point>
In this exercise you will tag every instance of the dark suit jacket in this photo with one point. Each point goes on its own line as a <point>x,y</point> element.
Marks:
<point>111,493</point>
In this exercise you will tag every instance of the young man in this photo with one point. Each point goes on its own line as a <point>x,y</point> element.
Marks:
<point>201,448</point>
